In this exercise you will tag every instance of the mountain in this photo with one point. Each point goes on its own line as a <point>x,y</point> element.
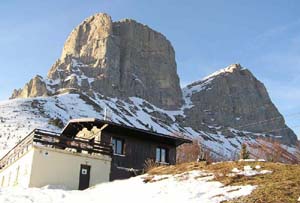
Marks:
<point>116,59</point>
<point>233,97</point>
<point>129,70</point>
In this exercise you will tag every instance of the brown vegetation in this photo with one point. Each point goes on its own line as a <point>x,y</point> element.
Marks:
<point>188,152</point>
<point>149,165</point>
<point>193,152</point>
<point>244,154</point>
<point>282,185</point>
<point>273,151</point>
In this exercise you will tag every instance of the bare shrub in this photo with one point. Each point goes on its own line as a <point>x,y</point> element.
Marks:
<point>149,164</point>
<point>209,158</point>
<point>56,122</point>
<point>273,151</point>
<point>189,152</point>
<point>244,154</point>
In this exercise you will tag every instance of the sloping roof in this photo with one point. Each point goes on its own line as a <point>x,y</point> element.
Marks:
<point>76,125</point>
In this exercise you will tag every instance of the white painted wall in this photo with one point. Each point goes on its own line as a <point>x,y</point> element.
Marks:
<point>39,166</point>
<point>60,167</point>
<point>18,172</point>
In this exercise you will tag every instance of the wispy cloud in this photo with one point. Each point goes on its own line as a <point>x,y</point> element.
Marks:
<point>274,32</point>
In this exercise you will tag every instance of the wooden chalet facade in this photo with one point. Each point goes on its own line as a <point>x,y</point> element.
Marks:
<point>87,152</point>
<point>131,146</point>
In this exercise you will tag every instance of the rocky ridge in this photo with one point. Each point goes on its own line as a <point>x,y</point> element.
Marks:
<point>233,97</point>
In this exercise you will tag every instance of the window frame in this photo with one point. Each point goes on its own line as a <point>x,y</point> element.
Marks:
<point>158,155</point>
<point>115,149</point>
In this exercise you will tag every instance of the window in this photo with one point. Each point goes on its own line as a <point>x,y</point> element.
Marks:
<point>118,146</point>
<point>83,171</point>
<point>161,155</point>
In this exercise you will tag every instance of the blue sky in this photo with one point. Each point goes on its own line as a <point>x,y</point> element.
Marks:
<point>264,36</point>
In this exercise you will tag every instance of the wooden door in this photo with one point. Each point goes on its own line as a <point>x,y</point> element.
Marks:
<point>84,176</point>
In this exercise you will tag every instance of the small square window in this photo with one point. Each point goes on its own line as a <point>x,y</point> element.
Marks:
<point>83,171</point>
<point>118,146</point>
<point>161,155</point>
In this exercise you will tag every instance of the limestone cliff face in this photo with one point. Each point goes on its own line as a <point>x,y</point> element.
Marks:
<point>89,40</point>
<point>116,59</point>
<point>147,64</point>
<point>234,98</point>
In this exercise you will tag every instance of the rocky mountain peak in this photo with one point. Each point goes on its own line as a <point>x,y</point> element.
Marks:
<point>115,59</point>
<point>233,68</point>
<point>233,97</point>
<point>86,40</point>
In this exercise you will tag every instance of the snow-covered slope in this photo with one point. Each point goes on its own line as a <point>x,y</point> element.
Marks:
<point>193,186</point>
<point>20,116</point>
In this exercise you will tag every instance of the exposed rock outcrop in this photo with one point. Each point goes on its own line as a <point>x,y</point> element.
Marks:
<point>34,88</point>
<point>116,59</point>
<point>233,97</point>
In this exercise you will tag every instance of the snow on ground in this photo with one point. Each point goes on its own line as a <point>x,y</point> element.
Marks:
<point>252,160</point>
<point>249,171</point>
<point>193,186</point>
<point>17,119</point>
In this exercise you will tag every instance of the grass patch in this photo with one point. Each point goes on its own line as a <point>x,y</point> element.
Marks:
<point>281,186</point>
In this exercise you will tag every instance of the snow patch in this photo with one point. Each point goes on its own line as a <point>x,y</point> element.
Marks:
<point>248,171</point>
<point>228,69</point>
<point>193,186</point>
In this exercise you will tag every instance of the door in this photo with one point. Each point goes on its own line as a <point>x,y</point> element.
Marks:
<point>84,176</point>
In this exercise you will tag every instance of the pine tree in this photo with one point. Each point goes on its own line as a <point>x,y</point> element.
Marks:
<point>244,154</point>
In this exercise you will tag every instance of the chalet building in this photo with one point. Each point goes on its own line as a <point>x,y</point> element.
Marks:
<point>46,158</point>
<point>87,152</point>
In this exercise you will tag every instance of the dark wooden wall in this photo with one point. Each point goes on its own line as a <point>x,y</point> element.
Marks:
<point>137,149</point>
